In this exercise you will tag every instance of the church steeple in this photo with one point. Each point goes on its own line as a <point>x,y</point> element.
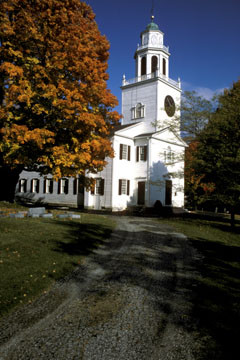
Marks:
<point>152,54</point>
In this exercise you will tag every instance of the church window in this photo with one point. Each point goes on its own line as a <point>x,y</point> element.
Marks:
<point>141,153</point>
<point>35,186</point>
<point>48,186</point>
<point>169,156</point>
<point>138,111</point>
<point>164,66</point>
<point>78,186</point>
<point>123,187</point>
<point>99,188</point>
<point>143,66</point>
<point>63,186</point>
<point>22,185</point>
<point>125,152</point>
<point>154,64</point>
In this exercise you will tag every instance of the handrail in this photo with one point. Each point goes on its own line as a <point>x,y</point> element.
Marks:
<point>153,75</point>
<point>163,47</point>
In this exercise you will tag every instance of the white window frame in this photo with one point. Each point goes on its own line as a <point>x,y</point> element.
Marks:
<point>138,111</point>
<point>35,185</point>
<point>142,153</point>
<point>64,182</point>
<point>48,186</point>
<point>125,187</point>
<point>124,151</point>
<point>22,185</point>
<point>98,186</point>
<point>169,156</point>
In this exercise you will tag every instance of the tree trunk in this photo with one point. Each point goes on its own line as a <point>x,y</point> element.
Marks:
<point>9,179</point>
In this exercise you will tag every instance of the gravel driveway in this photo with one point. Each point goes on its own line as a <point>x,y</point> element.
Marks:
<point>131,299</point>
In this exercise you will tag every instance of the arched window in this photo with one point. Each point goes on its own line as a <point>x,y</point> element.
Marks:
<point>143,66</point>
<point>164,66</point>
<point>154,63</point>
<point>139,110</point>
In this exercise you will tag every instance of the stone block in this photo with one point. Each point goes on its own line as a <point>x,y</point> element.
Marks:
<point>37,210</point>
<point>12,215</point>
<point>62,216</point>
<point>47,216</point>
<point>69,215</point>
<point>76,216</point>
<point>17,216</point>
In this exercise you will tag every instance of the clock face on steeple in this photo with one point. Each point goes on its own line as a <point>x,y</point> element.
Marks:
<point>154,39</point>
<point>169,106</point>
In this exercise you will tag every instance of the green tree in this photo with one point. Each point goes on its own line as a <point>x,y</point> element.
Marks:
<point>195,114</point>
<point>217,157</point>
<point>56,111</point>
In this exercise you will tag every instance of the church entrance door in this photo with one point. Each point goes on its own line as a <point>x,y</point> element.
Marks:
<point>141,193</point>
<point>168,193</point>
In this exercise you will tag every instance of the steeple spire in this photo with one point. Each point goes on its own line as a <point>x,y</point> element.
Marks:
<point>152,11</point>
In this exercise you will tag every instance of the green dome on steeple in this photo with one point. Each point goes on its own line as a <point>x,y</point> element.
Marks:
<point>152,25</point>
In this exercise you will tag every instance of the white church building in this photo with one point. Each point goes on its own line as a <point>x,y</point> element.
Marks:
<point>148,165</point>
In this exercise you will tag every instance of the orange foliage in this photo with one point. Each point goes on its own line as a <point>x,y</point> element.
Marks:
<point>56,110</point>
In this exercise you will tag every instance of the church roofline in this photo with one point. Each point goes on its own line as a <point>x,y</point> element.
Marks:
<point>153,134</point>
<point>119,128</point>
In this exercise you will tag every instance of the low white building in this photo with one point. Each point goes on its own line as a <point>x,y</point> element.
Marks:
<point>149,152</point>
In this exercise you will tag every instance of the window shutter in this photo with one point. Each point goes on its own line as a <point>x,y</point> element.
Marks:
<point>59,186</point>
<point>145,153</point>
<point>102,187</point>
<point>32,185</point>
<point>128,187</point>
<point>121,151</point>
<point>120,187</point>
<point>137,153</point>
<point>66,186</point>
<point>51,186</point>
<point>38,185</point>
<point>129,153</point>
<point>75,186</point>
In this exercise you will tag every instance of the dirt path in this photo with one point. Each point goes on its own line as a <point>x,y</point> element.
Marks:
<point>130,300</point>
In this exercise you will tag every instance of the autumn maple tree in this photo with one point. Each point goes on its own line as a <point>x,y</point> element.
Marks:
<point>56,110</point>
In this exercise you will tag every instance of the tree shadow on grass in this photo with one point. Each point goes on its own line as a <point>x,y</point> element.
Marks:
<point>82,239</point>
<point>211,290</point>
<point>217,296</point>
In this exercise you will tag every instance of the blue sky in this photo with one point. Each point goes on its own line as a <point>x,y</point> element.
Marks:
<point>203,37</point>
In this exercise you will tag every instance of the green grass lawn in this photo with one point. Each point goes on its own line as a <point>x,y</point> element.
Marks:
<point>36,252</point>
<point>217,292</point>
